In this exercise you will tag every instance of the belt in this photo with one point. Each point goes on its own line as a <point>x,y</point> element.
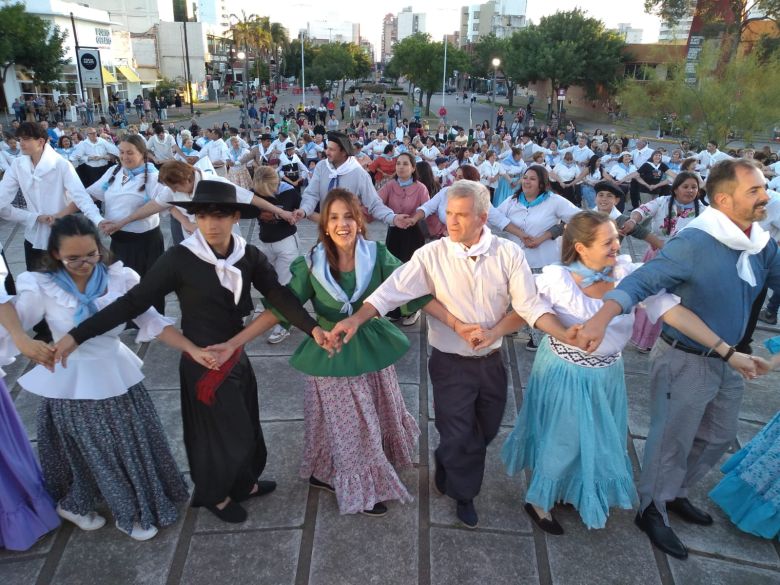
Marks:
<point>479,357</point>
<point>677,345</point>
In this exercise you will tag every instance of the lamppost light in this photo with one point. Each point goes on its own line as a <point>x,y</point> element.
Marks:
<point>241,55</point>
<point>496,62</point>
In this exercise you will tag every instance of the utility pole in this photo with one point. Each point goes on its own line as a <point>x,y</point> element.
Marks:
<point>187,65</point>
<point>76,49</point>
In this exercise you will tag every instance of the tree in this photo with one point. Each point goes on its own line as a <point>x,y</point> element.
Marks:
<point>738,16</point>
<point>331,63</point>
<point>488,48</point>
<point>567,48</point>
<point>29,41</point>
<point>738,99</point>
<point>422,63</point>
<point>291,58</point>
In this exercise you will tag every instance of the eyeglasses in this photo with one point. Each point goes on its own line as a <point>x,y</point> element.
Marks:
<point>92,259</point>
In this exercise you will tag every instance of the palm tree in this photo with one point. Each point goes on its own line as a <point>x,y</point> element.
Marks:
<point>251,34</point>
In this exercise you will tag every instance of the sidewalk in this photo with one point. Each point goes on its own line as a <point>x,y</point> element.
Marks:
<point>295,536</point>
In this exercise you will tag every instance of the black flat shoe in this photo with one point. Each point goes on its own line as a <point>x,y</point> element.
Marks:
<point>264,487</point>
<point>688,512</point>
<point>321,485</point>
<point>662,536</point>
<point>467,514</point>
<point>377,511</point>
<point>232,513</point>
<point>550,526</point>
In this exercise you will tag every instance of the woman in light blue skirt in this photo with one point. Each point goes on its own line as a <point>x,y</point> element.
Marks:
<point>750,492</point>
<point>572,428</point>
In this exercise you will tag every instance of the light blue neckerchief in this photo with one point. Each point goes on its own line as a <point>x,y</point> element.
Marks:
<point>538,201</point>
<point>406,183</point>
<point>133,173</point>
<point>96,287</point>
<point>690,205</point>
<point>773,345</point>
<point>365,260</point>
<point>590,276</point>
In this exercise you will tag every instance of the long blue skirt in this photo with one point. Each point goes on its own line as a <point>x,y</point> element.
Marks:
<point>26,509</point>
<point>571,433</point>
<point>750,492</point>
<point>503,191</point>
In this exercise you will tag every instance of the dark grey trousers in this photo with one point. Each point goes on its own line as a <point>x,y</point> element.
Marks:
<point>469,396</point>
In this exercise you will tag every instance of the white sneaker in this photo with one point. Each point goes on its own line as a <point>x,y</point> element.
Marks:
<point>411,319</point>
<point>87,522</point>
<point>138,533</point>
<point>278,335</point>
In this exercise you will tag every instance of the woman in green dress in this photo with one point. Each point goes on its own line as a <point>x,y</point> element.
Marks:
<point>357,428</point>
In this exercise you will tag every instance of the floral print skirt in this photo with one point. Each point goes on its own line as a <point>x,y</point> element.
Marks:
<point>357,433</point>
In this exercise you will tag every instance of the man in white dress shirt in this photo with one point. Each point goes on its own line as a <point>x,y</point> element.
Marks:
<point>216,150</point>
<point>476,276</point>
<point>94,154</point>
<point>162,146</point>
<point>640,155</point>
<point>377,146</point>
<point>708,158</point>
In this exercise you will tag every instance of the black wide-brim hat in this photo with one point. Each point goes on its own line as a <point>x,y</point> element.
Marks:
<point>220,194</point>
<point>342,140</point>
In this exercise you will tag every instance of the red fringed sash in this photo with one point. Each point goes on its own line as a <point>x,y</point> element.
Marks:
<point>206,387</point>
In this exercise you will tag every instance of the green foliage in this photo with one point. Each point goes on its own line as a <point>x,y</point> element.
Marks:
<point>738,98</point>
<point>333,61</point>
<point>291,58</point>
<point>31,42</point>
<point>422,62</point>
<point>567,48</point>
<point>260,38</point>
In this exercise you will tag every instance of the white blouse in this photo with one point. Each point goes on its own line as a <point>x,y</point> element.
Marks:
<point>536,220</point>
<point>122,198</point>
<point>102,367</point>
<point>488,171</point>
<point>557,286</point>
<point>620,172</point>
<point>658,210</point>
<point>566,172</point>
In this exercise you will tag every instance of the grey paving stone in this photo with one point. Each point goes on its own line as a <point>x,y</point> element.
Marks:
<point>263,558</point>
<point>26,405</point>
<point>168,406</point>
<point>408,367</point>
<point>761,399</point>
<point>109,556</point>
<point>22,572</point>
<point>746,431</point>
<point>161,367</point>
<point>525,359</point>
<point>285,507</point>
<point>356,550</point>
<point>722,538</point>
<point>638,404</point>
<point>500,502</point>
<point>697,570</point>
<point>606,557</point>
<point>476,558</point>
<point>281,388</point>
<point>411,394</point>
<point>14,371</point>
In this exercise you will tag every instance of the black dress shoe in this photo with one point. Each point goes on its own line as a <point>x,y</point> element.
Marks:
<point>467,514</point>
<point>550,526</point>
<point>688,512</point>
<point>662,536</point>
<point>232,513</point>
<point>321,485</point>
<point>264,487</point>
<point>439,477</point>
<point>377,511</point>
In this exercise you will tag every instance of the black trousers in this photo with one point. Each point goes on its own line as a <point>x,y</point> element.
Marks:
<point>139,251</point>
<point>469,398</point>
<point>32,260</point>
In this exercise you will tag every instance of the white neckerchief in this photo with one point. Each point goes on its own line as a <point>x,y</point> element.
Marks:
<point>481,247</point>
<point>229,276</point>
<point>348,166</point>
<point>365,259</point>
<point>719,226</point>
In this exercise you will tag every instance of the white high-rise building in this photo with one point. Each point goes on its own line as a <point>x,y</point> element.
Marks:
<point>677,32</point>
<point>409,23</point>
<point>499,17</point>
<point>631,35</point>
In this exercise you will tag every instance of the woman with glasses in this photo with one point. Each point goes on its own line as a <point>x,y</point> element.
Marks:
<point>99,437</point>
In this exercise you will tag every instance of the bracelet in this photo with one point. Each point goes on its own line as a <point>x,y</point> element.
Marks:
<point>717,343</point>
<point>728,355</point>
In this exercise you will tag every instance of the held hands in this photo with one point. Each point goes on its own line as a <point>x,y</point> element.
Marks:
<point>347,327</point>
<point>298,215</point>
<point>110,227</point>
<point>403,221</point>
<point>63,348</point>
<point>206,358</point>
<point>45,219</point>
<point>327,340</point>
<point>37,351</point>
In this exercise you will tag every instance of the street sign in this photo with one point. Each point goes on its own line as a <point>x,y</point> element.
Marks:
<point>90,67</point>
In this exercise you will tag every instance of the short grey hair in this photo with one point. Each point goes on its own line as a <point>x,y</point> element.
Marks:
<point>473,189</point>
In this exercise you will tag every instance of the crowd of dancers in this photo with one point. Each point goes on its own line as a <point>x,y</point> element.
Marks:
<point>488,233</point>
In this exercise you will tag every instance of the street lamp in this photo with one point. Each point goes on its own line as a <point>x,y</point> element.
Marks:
<point>242,55</point>
<point>496,62</point>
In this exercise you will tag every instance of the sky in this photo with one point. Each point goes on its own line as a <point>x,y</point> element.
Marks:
<point>442,16</point>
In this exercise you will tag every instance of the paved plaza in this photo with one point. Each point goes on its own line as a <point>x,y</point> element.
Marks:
<point>296,536</point>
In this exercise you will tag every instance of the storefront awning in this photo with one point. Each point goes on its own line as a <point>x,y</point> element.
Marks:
<point>128,74</point>
<point>148,74</point>
<point>107,77</point>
